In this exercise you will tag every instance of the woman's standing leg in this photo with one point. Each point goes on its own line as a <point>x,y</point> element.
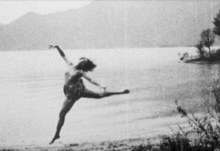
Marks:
<point>67,105</point>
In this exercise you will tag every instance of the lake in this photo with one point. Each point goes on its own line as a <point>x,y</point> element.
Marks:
<point>32,94</point>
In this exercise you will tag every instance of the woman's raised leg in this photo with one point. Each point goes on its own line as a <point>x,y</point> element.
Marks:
<point>67,105</point>
<point>90,94</point>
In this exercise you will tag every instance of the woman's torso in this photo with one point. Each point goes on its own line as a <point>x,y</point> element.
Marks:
<point>74,86</point>
<point>72,76</point>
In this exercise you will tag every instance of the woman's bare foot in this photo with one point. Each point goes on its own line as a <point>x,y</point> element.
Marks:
<point>55,137</point>
<point>126,91</point>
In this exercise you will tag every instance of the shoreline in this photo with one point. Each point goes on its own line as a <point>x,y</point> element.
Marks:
<point>126,145</point>
<point>153,136</point>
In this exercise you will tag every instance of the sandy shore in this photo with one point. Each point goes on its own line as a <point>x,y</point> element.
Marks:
<point>125,145</point>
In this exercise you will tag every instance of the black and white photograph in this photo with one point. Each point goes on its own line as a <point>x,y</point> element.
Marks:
<point>116,75</point>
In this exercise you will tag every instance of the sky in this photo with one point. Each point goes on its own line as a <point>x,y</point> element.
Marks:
<point>11,9</point>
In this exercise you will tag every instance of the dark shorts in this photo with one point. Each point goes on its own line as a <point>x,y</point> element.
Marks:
<point>74,91</point>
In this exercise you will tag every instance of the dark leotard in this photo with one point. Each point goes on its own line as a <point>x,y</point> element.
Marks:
<point>74,87</point>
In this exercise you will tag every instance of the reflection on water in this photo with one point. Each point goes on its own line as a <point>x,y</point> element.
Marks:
<point>32,95</point>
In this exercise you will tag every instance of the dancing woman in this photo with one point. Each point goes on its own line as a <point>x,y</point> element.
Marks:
<point>74,88</point>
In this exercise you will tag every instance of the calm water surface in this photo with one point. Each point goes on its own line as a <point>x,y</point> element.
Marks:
<point>32,94</point>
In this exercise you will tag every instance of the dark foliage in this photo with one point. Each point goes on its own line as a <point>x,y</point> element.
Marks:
<point>205,129</point>
<point>216,23</point>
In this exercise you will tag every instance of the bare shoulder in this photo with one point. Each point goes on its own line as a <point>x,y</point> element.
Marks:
<point>79,72</point>
<point>84,75</point>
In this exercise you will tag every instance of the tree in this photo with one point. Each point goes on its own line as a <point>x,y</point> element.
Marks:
<point>216,22</point>
<point>208,38</point>
<point>200,47</point>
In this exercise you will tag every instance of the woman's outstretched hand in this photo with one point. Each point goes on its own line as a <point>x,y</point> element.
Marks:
<point>51,46</point>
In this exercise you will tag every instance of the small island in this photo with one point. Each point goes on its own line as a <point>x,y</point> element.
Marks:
<point>206,54</point>
<point>212,57</point>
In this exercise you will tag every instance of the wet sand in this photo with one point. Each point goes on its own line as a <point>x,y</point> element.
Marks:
<point>124,145</point>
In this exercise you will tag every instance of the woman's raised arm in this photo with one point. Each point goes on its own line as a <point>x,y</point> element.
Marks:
<point>62,54</point>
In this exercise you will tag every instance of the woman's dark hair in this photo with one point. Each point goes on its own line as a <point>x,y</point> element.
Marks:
<point>85,65</point>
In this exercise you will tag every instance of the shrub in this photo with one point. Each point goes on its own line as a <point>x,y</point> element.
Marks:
<point>205,129</point>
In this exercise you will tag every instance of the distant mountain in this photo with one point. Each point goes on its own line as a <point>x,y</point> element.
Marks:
<point>115,24</point>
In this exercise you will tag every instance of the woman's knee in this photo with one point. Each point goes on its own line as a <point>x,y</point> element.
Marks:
<point>62,113</point>
<point>100,95</point>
